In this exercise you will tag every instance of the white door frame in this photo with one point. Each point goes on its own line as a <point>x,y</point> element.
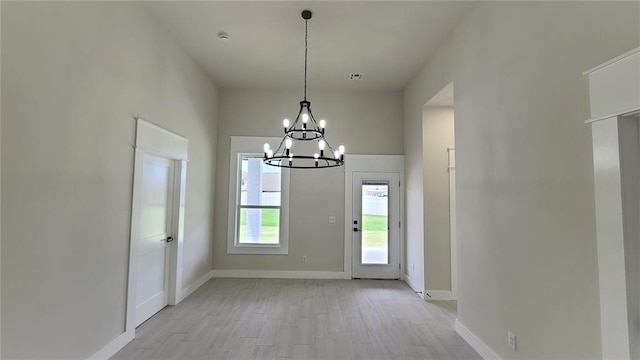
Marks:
<point>452,223</point>
<point>154,140</point>
<point>368,163</point>
<point>614,97</point>
<point>390,269</point>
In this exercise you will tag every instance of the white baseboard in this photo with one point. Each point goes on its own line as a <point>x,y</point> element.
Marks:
<point>195,285</point>
<point>413,285</point>
<point>113,347</point>
<point>475,342</point>
<point>439,295</point>
<point>278,274</point>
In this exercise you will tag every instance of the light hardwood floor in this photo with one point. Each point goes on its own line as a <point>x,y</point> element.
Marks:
<point>301,319</point>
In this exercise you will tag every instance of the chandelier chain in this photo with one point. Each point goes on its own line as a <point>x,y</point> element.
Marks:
<point>306,29</point>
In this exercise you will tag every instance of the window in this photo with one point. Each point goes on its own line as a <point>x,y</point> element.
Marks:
<point>258,201</point>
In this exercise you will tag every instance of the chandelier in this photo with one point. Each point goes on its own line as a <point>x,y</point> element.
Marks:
<point>305,132</point>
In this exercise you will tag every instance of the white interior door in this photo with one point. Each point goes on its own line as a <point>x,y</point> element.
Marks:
<point>376,225</point>
<point>155,237</point>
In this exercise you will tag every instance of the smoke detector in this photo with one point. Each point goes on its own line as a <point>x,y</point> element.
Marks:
<point>356,76</point>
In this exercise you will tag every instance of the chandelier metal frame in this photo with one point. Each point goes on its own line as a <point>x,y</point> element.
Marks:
<point>304,128</point>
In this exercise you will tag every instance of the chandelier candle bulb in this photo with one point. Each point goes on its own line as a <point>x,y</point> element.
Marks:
<point>288,144</point>
<point>285,122</point>
<point>336,154</point>
<point>305,118</point>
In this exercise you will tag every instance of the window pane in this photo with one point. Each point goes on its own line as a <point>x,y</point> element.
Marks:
<point>259,226</point>
<point>260,184</point>
<point>375,224</point>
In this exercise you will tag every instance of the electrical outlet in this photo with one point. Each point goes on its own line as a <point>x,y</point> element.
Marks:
<point>511,340</point>
<point>332,219</point>
<point>305,259</point>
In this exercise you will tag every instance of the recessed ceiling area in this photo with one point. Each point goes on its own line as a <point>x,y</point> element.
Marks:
<point>443,98</point>
<point>389,41</point>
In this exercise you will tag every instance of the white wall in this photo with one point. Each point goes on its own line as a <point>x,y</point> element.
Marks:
<point>74,75</point>
<point>365,122</point>
<point>437,137</point>
<point>525,203</point>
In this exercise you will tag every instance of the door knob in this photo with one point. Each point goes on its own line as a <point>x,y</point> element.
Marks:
<point>170,239</point>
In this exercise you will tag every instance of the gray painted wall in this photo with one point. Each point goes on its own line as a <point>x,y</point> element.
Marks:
<point>365,122</point>
<point>74,75</point>
<point>437,137</point>
<point>525,203</point>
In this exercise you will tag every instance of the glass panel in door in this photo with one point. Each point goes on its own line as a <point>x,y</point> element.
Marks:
<point>375,223</point>
<point>376,227</point>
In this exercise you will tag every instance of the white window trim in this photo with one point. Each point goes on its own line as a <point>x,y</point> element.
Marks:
<point>252,145</point>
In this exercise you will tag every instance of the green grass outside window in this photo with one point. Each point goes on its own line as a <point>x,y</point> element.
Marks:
<point>374,228</point>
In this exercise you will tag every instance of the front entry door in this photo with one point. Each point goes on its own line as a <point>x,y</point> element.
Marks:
<point>155,238</point>
<point>376,225</point>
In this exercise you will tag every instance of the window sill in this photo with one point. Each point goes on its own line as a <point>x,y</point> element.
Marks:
<point>256,245</point>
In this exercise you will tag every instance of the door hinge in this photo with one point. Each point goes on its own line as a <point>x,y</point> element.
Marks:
<point>399,266</point>
<point>399,224</point>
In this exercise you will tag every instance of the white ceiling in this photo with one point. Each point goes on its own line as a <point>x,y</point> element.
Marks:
<point>388,41</point>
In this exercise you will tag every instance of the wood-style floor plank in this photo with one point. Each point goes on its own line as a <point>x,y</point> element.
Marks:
<point>301,319</point>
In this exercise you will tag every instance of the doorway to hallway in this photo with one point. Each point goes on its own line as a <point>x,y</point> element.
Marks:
<point>439,197</point>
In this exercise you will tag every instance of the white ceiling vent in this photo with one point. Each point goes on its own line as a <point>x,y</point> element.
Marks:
<point>356,76</point>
